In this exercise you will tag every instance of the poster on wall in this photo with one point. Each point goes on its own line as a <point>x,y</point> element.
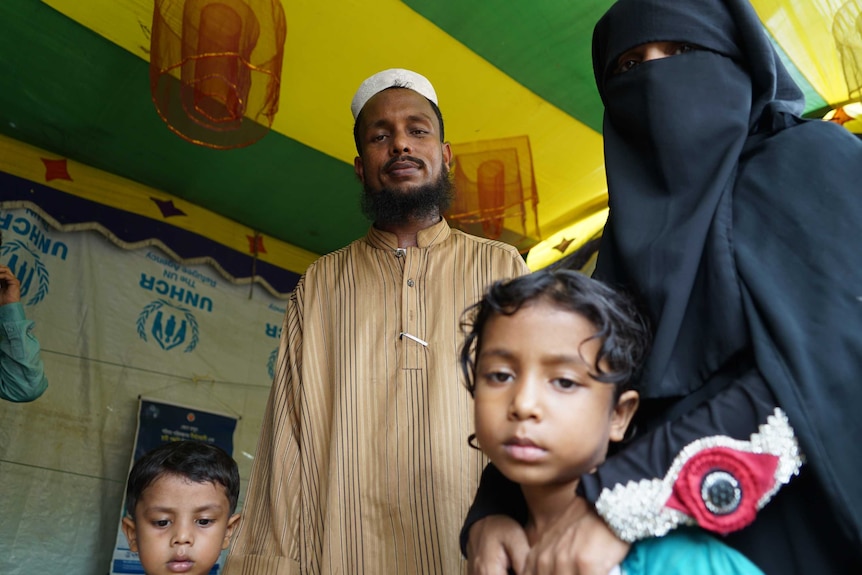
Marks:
<point>159,423</point>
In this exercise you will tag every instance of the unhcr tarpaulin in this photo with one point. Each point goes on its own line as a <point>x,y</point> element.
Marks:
<point>114,325</point>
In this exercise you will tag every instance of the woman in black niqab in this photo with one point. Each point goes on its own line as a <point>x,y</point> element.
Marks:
<point>737,223</point>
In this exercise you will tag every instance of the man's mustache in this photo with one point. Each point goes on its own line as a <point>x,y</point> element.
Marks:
<point>416,161</point>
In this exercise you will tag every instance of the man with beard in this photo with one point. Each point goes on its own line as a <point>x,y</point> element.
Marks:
<point>362,464</point>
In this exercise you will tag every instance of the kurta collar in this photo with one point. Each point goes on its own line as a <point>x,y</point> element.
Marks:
<point>426,238</point>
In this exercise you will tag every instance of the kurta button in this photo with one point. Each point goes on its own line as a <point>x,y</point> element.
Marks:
<point>410,283</point>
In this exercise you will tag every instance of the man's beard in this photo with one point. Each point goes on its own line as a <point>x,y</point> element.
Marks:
<point>388,206</point>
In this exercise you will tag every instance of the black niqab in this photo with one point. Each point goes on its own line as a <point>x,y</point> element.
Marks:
<point>737,222</point>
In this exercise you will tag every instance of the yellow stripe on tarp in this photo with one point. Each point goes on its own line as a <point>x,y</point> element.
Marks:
<point>803,29</point>
<point>567,241</point>
<point>24,161</point>
<point>332,46</point>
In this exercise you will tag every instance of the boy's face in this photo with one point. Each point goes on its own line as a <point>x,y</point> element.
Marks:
<point>180,526</point>
<point>539,415</point>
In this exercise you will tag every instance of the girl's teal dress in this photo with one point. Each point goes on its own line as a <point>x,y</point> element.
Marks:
<point>686,552</point>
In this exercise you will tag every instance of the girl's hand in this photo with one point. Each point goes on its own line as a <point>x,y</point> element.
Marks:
<point>578,543</point>
<point>495,544</point>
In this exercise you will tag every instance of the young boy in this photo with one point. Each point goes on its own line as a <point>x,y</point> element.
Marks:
<point>548,359</point>
<point>180,501</point>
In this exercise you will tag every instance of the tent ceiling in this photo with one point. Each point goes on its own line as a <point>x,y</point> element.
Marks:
<point>75,83</point>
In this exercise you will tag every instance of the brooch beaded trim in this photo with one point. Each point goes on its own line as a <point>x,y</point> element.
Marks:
<point>717,482</point>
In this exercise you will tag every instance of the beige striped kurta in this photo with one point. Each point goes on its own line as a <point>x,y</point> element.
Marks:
<point>362,464</point>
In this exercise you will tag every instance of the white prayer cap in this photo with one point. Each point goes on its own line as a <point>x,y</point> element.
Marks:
<point>394,77</point>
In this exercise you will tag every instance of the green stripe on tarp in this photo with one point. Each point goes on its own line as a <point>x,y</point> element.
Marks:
<point>813,99</point>
<point>545,45</point>
<point>71,92</point>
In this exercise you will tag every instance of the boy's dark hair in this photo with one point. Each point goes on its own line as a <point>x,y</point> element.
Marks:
<point>623,331</point>
<point>434,107</point>
<point>193,460</point>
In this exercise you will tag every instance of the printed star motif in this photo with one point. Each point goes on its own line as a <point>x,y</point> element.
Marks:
<point>255,245</point>
<point>563,245</point>
<point>56,170</point>
<point>168,208</point>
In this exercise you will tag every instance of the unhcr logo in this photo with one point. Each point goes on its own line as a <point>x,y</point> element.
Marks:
<point>170,327</point>
<point>29,269</point>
